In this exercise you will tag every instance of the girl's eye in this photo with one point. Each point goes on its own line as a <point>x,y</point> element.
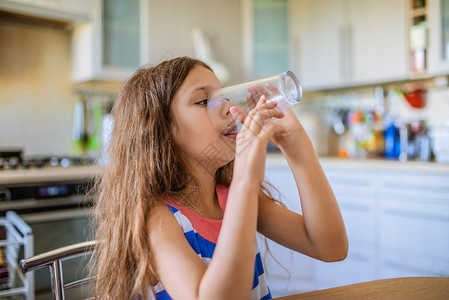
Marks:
<point>202,102</point>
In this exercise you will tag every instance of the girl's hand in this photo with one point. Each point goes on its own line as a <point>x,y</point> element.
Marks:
<point>288,130</point>
<point>252,139</point>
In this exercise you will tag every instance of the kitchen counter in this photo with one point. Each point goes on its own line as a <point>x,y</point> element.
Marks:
<point>277,160</point>
<point>274,160</point>
<point>50,174</point>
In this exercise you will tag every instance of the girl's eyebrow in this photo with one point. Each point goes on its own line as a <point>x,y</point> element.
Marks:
<point>205,88</point>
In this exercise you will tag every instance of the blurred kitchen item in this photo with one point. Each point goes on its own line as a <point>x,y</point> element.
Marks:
<point>203,51</point>
<point>107,127</point>
<point>421,140</point>
<point>418,47</point>
<point>403,140</point>
<point>416,98</point>
<point>392,142</point>
<point>440,143</point>
<point>79,133</point>
<point>47,161</point>
<point>414,141</point>
<point>94,123</point>
<point>10,158</point>
<point>339,117</point>
<point>379,100</point>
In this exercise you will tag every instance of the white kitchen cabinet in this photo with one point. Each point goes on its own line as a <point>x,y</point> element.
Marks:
<point>414,225</point>
<point>345,42</point>
<point>271,38</point>
<point>61,10</point>
<point>378,40</point>
<point>317,33</point>
<point>265,32</point>
<point>299,277</point>
<point>354,191</point>
<point>396,217</point>
<point>114,44</point>
<point>438,45</point>
<point>359,266</point>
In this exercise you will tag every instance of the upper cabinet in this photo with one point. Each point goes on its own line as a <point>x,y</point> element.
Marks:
<point>114,44</point>
<point>61,10</point>
<point>378,40</point>
<point>345,42</point>
<point>438,40</point>
<point>271,38</point>
<point>317,33</point>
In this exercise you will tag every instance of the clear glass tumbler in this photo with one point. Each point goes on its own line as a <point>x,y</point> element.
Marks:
<point>283,88</point>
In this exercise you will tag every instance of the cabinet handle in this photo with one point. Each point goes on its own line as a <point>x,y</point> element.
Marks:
<point>345,36</point>
<point>342,49</point>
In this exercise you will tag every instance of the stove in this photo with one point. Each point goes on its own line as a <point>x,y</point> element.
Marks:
<point>51,194</point>
<point>13,159</point>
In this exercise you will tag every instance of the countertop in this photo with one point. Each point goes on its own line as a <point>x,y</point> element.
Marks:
<point>277,160</point>
<point>49,174</point>
<point>274,160</point>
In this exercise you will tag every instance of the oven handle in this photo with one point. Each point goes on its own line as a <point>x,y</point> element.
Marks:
<point>56,215</point>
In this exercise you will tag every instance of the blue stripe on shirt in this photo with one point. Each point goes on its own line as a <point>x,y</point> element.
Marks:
<point>258,270</point>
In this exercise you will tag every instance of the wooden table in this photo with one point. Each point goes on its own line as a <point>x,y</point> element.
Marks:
<point>394,288</point>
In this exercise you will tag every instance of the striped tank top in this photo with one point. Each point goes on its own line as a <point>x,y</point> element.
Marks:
<point>202,235</point>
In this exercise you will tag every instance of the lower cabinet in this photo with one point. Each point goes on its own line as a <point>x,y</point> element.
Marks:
<point>359,266</point>
<point>397,223</point>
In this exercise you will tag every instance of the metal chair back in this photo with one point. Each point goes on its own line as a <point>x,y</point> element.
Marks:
<point>54,259</point>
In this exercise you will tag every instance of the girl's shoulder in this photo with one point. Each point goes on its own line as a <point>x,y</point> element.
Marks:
<point>162,220</point>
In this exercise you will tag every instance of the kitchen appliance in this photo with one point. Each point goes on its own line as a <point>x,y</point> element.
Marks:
<point>55,202</point>
<point>12,159</point>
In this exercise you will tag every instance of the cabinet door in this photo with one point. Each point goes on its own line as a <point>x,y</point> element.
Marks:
<point>438,51</point>
<point>356,196</point>
<point>63,10</point>
<point>271,39</point>
<point>359,266</point>
<point>355,193</point>
<point>414,225</point>
<point>318,42</point>
<point>288,272</point>
<point>121,34</point>
<point>114,44</point>
<point>378,37</point>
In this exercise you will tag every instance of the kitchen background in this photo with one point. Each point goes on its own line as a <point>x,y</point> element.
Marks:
<point>375,76</point>
<point>351,64</point>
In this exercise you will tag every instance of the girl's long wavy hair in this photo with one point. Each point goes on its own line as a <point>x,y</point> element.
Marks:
<point>144,164</point>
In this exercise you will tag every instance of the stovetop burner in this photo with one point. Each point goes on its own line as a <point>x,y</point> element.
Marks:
<point>12,160</point>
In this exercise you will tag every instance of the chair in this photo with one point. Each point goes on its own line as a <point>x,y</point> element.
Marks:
<point>54,259</point>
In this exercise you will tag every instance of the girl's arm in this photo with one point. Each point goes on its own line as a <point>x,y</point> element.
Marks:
<point>230,273</point>
<point>320,231</point>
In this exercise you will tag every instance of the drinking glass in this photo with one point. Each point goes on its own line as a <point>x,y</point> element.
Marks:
<point>283,88</point>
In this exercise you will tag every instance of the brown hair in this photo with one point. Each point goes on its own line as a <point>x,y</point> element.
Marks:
<point>144,164</point>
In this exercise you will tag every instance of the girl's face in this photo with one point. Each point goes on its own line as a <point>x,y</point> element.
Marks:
<point>202,144</point>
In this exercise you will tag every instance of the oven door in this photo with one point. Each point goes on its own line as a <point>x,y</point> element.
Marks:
<point>53,229</point>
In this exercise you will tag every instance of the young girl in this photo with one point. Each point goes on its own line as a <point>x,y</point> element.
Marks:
<point>180,203</point>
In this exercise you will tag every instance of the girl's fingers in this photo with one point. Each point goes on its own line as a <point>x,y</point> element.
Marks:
<point>272,88</point>
<point>263,112</point>
<point>262,118</point>
<point>238,113</point>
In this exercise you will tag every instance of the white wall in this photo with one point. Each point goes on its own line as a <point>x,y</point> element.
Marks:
<point>36,102</point>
